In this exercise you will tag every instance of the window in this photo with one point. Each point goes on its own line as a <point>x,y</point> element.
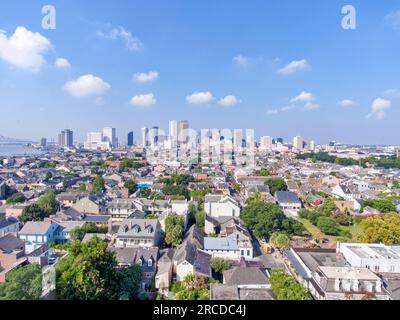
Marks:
<point>140,262</point>
<point>150,263</point>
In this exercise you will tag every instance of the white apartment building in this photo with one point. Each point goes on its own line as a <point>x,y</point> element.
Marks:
<point>376,257</point>
<point>110,135</point>
<point>298,143</point>
<point>94,141</point>
<point>266,143</point>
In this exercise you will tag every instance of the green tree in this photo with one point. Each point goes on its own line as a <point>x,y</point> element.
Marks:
<point>48,202</point>
<point>129,282</point>
<point>131,186</point>
<point>219,265</point>
<point>266,218</point>
<point>276,184</point>
<point>48,175</point>
<point>328,226</point>
<point>16,198</point>
<point>280,240</point>
<point>82,187</point>
<point>263,173</point>
<point>383,205</point>
<point>200,219</point>
<point>384,229</point>
<point>285,287</point>
<point>78,233</point>
<point>88,272</point>
<point>33,212</point>
<point>174,230</point>
<point>98,184</point>
<point>23,283</point>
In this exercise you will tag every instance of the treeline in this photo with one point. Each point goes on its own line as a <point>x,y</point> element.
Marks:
<point>386,163</point>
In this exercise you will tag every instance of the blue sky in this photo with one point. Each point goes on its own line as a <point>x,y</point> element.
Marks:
<point>282,67</point>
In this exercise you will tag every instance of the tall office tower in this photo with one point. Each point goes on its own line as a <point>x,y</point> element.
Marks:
<point>61,139</point>
<point>251,143</point>
<point>153,136</point>
<point>43,142</point>
<point>145,139</point>
<point>278,140</point>
<point>298,143</point>
<point>174,132</point>
<point>110,135</point>
<point>237,139</point>
<point>66,138</point>
<point>183,134</point>
<point>266,143</point>
<point>311,146</point>
<point>130,139</point>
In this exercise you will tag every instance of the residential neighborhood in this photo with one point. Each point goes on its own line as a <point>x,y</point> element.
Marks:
<point>232,231</point>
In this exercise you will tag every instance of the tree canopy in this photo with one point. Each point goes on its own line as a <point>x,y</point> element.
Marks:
<point>131,186</point>
<point>98,184</point>
<point>23,283</point>
<point>266,218</point>
<point>276,184</point>
<point>384,229</point>
<point>383,205</point>
<point>285,287</point>
<point>174,230</point>
<point>280,240</point>
<point>219,265</point>
<point>16,198</point>
<point>129,280</point>
<point>88,272</point>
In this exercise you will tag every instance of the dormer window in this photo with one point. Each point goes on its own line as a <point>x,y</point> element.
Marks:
<point>150,229</point>
<point>126,229</point>
<point>150,263</point>
<point>140,262</point>
<point>136,229</point>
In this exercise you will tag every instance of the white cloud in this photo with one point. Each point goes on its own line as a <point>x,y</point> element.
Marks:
<point>287,108</point>
<point>145,77</point>
<point>271,112</point>
<point>294,66</point>
<point>392,93</point>
<point>200,98</point>
<point>143,100</point>
<point>393,19</point>
<point>87,85</point>
<point>131,42</point>
<point>346,103</point>
<point>241,60</point>
<point>304,96</point>
<point>309,106</point>
<point>378,108</point>
<point>24,49</point>
<point>229,101</point>
<point>62,63</point>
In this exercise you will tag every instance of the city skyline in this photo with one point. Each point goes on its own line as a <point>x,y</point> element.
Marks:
<point>142,67</point>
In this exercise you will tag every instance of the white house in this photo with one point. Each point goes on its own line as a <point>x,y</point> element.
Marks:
<point>227,248</point>
<point>342,191</point>
<point>221,206</point>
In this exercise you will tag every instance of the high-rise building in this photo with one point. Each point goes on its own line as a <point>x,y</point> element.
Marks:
<point>110,135</point>
<point>145,139</point>
<point>266,143</point>
<point>130,139</point>
<point>298,143</point>
<point>153,136</point>
<point>96,141</point>
<point>66,138</point>
<point>311,146</point>
<point>174,132</point>
<point>43,142</point>
<point>237,139</point>
<point>178,131</point>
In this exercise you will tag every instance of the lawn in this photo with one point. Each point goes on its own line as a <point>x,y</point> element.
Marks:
<point>317,234</point>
